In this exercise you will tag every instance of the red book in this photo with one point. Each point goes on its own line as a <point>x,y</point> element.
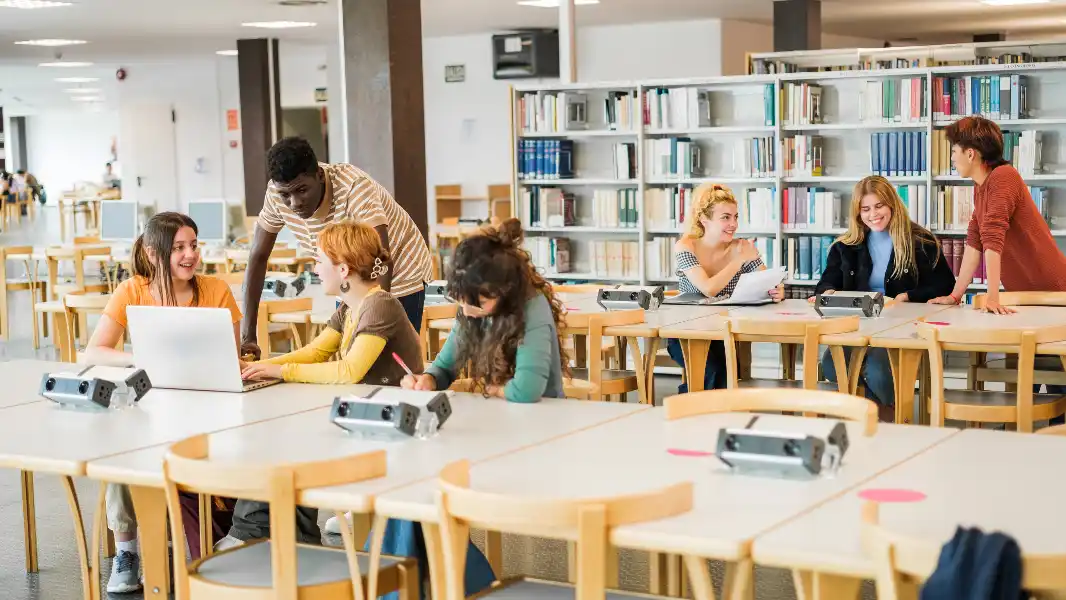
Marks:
<point>958,246</point>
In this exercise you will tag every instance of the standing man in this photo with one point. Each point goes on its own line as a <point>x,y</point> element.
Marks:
<point>305,196</point>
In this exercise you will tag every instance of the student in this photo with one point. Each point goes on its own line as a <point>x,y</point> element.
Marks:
<point>506,339</point>
<point>305,196</point>
<point>882,251</point>
<point>165,259</point>
<point>710,261</point>
<point>1006,227</point>
<point>368,328</point>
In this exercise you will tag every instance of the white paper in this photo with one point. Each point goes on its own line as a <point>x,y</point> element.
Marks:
<point>756,286</point>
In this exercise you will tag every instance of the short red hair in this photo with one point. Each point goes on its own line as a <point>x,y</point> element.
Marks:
<point>979,134</point>
<point>353,244</point>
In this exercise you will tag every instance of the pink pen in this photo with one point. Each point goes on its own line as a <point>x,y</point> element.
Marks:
<point>399,361</point>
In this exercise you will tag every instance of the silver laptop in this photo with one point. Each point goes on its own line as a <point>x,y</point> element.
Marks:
<point>188,348</point>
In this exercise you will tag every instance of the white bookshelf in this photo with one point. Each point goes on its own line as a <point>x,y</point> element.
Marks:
<point>737,114</point>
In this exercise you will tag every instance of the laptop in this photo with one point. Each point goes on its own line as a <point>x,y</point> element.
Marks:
<point>188,348</point>
<point>698,299</point>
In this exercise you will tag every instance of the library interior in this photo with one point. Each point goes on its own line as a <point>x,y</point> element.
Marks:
<point>532,299</point>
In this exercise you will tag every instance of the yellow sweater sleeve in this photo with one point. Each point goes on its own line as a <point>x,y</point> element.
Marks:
<point>351,368</point>
<point>319,350</point>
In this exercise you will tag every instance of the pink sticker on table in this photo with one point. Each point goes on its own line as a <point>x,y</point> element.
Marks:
<point>791,314</point>
<point>692,453</point>
<point>941,323</point>
<point>891,495</point>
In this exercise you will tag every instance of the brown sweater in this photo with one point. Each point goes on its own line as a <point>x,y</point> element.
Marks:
<point>1005,220</point>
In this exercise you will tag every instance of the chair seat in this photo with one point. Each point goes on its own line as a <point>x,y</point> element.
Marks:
<point>249,566</point>
<point>994,399</point>
<point>531,589</point>
<point>1042,363</point>
<point>52,306</point>
<point>606,375</point>
<point>825,386</point>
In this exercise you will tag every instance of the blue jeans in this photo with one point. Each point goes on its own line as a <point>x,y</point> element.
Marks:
<point>714,375</point>
<point>404,538</point>
<point>876,374</point>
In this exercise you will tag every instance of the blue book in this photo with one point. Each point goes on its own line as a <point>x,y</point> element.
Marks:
<point>875,150</point>
<point>882,155</point>
<point>805,257</point>
<point>816,258</point>
<point>890,168</point>
<point>827,243</point>
<point>566,160</point>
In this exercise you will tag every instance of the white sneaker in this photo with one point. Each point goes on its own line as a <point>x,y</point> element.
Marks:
<point>333,525</point>
<point>125,573</point>
<point>228,543</point>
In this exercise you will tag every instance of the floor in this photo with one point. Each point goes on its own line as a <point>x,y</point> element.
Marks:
<point>58,577</point>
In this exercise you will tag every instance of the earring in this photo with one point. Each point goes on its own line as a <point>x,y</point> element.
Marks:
<point>345,287</point>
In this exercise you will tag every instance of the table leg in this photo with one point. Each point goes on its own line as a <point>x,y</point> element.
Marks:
<point>494,551</point>
<point>673,575</point>
<point>695,352</point>
<point>651,351</point>
<point>89,578</point>
<point>656,570</point>
<point>431,532</point>
<point>699,577</point>
<point>822,586</point>
<point>378,539</point>
<point>645,395</point>
<point>150,505</point>
<point>53,274</point>
<point>739,580</point>
<point>905,371</point>
<point>29,521</point>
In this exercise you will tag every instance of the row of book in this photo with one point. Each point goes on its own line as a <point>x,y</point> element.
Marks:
<point>991,96</point>
<point>552,207</point>
<point>677,108</point>
<point>769,66</point>
<point>893,101</point>
<point>674,157</point>
<point>550,255</point>
<point>801,103</point>
<point>952,250</point>
<point>806,255</point>
<point>547,112</point>
<point>666,208</point>
<point>952,207</point>
<point>545,159</point>
<point>898,153</point>
<point>608,259</point>
<point>802,155</point>
<point>1022,149</point>
<point>624,160</point>
<point>754,157</point>
<point>811,208</point>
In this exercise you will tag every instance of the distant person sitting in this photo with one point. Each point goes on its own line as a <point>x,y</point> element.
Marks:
<point>31,183</point>
<point>110,179</point>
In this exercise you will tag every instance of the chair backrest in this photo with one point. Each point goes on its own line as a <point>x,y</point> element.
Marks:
<point>1008,341</point>
<point>281,253</point>
<point>597,322</point>
<point>806,332</point>
<point>1024,299</point>
<point>903,561</point>
<point>25,252</point>
<point>283,305</point>
<point>86,239</point>
<point>433,312</point>
<point>186,468</point>
<point>586,522</point>
<point>581,288</point>
<point>830,404</point>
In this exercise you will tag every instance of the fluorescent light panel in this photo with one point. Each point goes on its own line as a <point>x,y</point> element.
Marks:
<point>88,98</point>
<point>78,79</point>
<point>82,90</point>
<point>65,64</point>
<point>226,53</point>
<point>553,3</point>
<point>30,4</point>
<point>51,43</point>
<point>279,24</point>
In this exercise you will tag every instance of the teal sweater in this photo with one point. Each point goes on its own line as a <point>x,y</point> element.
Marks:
<point>537,372</point>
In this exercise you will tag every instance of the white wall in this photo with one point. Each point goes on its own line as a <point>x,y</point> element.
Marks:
<point>64,147</point>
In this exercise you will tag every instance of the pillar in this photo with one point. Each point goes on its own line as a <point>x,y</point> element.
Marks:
<point>797,25</point>
<point>260,93</point>
<point>381,50</point>
<point>567,42</point>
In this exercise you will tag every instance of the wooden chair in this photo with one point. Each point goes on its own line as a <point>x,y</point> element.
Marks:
<point>903,562</point>
<point>1046,369</point>
<point>238,259</point>
<point>431,343</point>
<point>27,283</point>
<point>605,381</point>
<point>79,305</point>
<point>587,523</point>
<point>1053,430</point>
<point>26,200</point>
<point>814,402</point>
<point>578,288</point>
<point>575,389</point>
<point>500,202</point>
<point>295,332</point>
<point>1022,407</point>
<point>806,333</point>
<point>287,569</point>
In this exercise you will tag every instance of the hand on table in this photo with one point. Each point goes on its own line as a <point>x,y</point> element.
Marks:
<point>255,371</point>
<point>825,293</point>
<point>903,297</point>
<point>424,382</point>
<point>948,300</point>
<point>778,293</point>
<point>994,307</point>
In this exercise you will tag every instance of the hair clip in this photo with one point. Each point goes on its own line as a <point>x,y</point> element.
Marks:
<point>379,269</point>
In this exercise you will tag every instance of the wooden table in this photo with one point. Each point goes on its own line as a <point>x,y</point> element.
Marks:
<point>631,454</point>
<point>479,429</point>
<point>1000,481</point>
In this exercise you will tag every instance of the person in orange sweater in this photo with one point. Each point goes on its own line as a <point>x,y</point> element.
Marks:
<point>1006,226</point>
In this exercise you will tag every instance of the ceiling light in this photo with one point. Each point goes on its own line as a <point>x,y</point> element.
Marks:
<point>51,43</point>
<point>1012,2</point>
<point>67,64</point>
<point>279,24</point>
<point>88,98</point>
<point>553,3</point>
<point>82,90</point>
<point>78,79</point>
<point>32,4</point>
<point>226,53</point>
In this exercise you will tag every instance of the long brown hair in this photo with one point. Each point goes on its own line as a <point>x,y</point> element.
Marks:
<point>159,235</point>
<point>901,229</point>
<point>493,264</point>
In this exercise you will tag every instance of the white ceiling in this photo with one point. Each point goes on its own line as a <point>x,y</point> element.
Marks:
<point>125,31</point>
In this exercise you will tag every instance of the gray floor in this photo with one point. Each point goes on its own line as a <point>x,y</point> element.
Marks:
<point>58,577</point>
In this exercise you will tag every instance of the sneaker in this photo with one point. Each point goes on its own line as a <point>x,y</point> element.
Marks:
<point>227,543</point>
<point>333,525</point>
<point>125,573</point>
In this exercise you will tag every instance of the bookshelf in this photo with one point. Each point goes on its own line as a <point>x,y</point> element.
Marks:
<point>621,159</point>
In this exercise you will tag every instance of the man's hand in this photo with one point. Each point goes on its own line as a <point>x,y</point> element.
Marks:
<point>250,349</point>
<point>994,307</point>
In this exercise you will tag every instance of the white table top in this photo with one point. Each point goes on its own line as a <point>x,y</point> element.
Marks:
<point>43,436</point>
<point>1027,318</point>
<point>479,429</point>
<point>22,380</point>
<point>999,481</point>
<point>631,455</point>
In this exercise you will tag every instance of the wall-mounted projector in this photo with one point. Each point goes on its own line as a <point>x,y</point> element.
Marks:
<point>392,413</point>
<point>787,448</point>
<point>629,297</point>
<point>846,304</point>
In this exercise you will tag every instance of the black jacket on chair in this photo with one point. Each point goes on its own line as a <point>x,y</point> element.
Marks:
<point>847,269</point>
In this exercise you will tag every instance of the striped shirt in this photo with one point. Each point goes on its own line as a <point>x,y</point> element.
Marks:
<point>687,261</point>
<point>352,194</point>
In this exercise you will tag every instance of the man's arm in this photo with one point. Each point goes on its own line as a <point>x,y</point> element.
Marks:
<point>385,281</point>
<point>262,245</point>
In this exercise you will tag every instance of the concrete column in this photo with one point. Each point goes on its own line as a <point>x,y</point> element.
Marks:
<point>260,92</point>
<point>567,42</point>
<point>797,25</point>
